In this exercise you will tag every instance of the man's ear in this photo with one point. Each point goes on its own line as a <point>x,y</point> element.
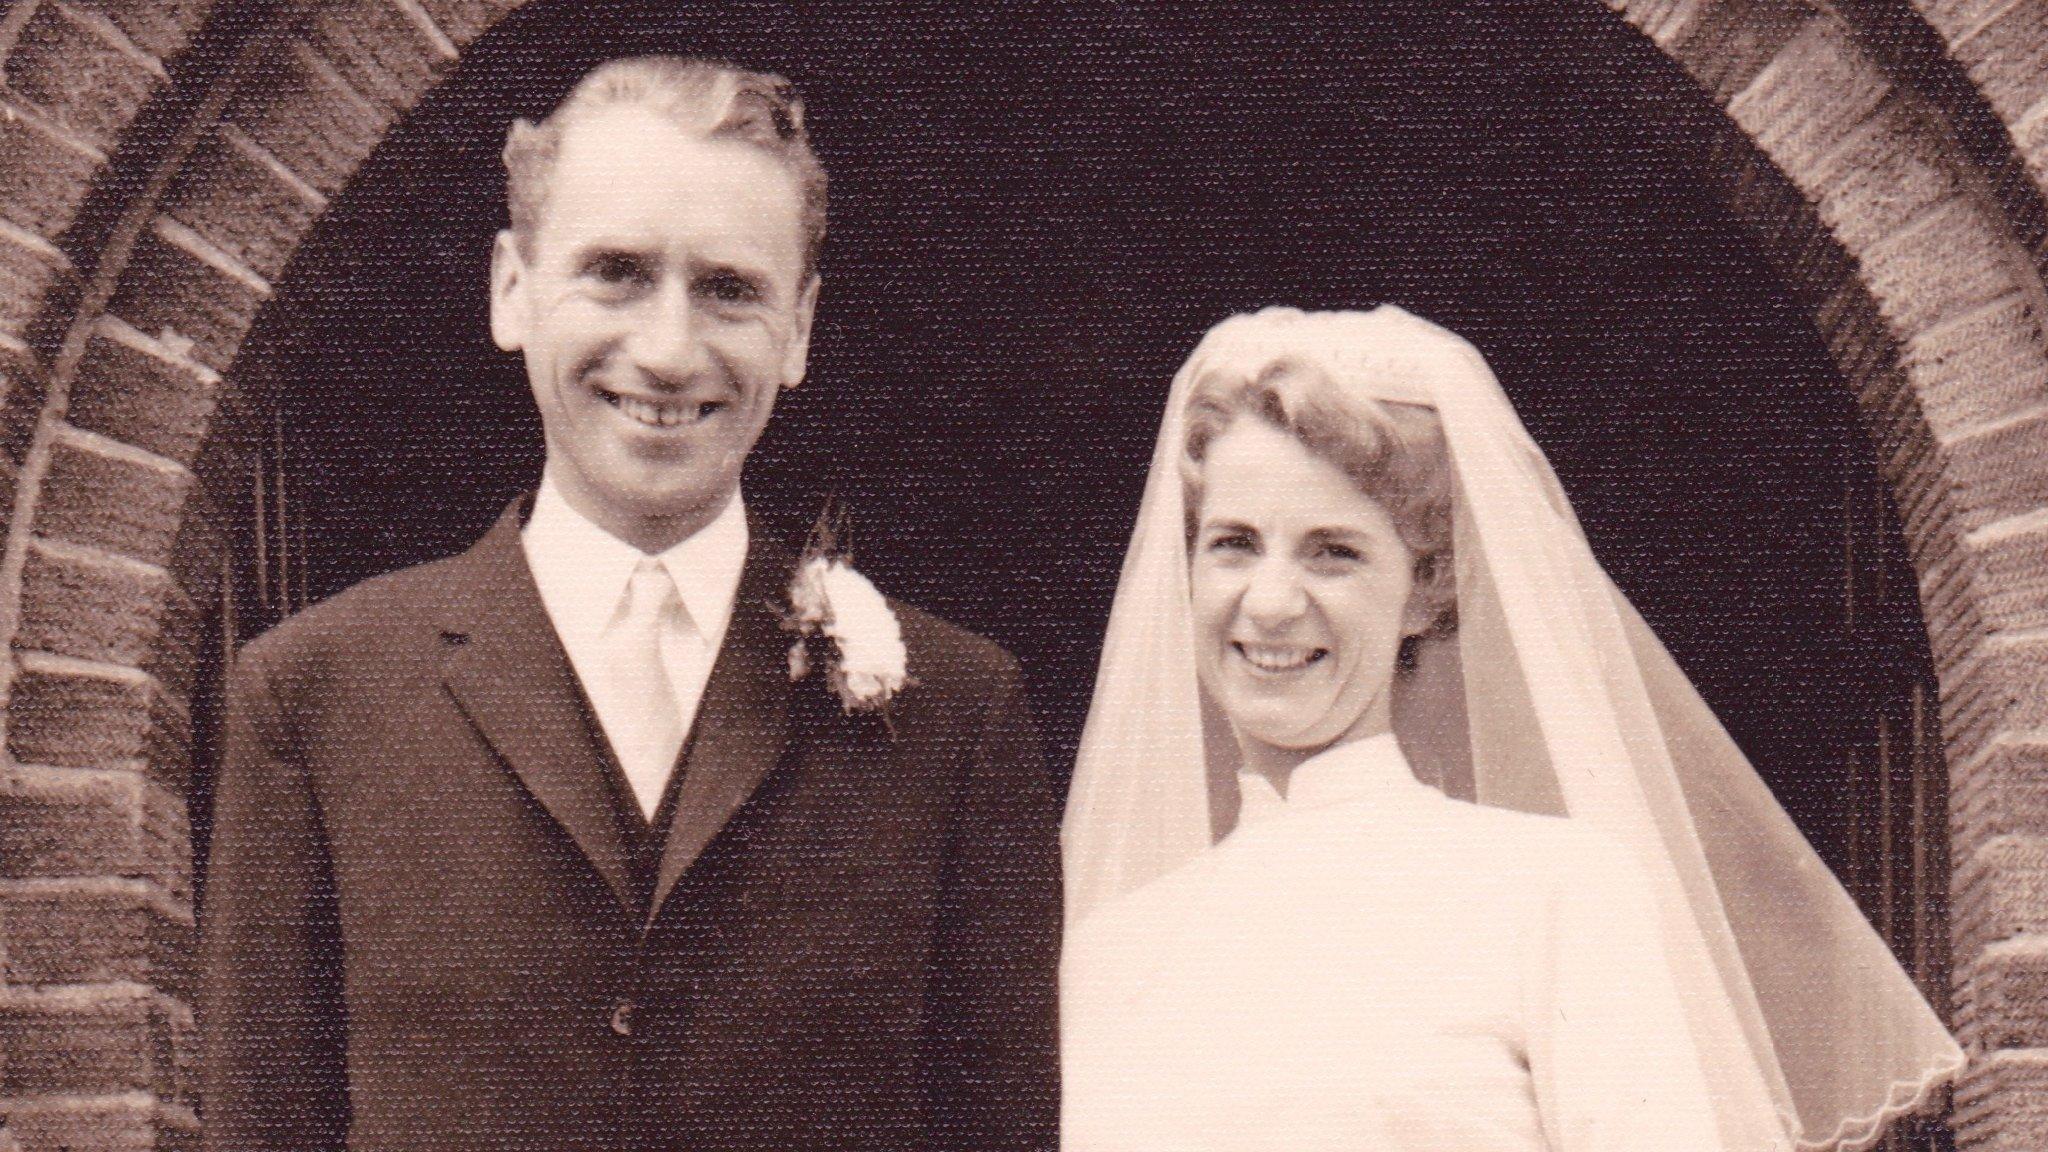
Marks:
<point>796,355</point>
<point>508,293</point>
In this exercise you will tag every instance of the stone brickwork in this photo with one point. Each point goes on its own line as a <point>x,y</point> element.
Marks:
<point>1935,319</point>
<point>117,366</point>
<point>2003,44</point>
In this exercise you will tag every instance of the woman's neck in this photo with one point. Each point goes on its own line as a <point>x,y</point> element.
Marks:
<point>1277,764</point>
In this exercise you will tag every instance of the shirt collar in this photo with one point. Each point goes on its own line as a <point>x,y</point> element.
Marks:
<point>1373,769</point>
<point>582,570</point>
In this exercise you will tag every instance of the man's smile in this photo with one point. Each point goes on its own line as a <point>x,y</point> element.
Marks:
<point>661,413</point>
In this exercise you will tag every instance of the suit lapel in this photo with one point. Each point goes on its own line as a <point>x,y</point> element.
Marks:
<point>740,727</point>
<point>508,671</point>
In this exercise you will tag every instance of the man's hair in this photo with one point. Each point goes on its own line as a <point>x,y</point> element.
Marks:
<point>1394,453</point>
<point>708,98</point>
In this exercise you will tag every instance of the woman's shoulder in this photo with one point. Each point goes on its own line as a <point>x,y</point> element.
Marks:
<point>1564,846</point>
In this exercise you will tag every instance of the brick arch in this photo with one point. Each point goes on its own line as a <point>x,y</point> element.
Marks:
<point>1933,309</point>
<point>119,387</point>
<point>2004,48</point>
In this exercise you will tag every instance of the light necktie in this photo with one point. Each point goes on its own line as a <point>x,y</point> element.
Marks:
<point>648,638</point>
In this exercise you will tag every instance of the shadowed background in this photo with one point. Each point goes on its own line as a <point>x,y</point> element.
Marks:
<point>1036,212</point>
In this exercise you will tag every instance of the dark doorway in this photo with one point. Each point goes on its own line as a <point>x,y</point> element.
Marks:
<point>1038,208</point>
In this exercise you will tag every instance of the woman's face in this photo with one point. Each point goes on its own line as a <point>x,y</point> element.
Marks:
<point>1300,585</point>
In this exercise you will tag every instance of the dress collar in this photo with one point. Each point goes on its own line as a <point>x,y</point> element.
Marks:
<point>582,570</point>
<point>1372,770</point>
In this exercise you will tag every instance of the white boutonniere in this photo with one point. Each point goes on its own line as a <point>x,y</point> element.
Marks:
<point>829,601</point>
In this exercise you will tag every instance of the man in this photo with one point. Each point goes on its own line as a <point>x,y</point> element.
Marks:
<point>543,847</point>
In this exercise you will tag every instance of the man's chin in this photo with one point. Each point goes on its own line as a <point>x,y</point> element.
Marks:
<point>629,497</point>
<point>670,506</point>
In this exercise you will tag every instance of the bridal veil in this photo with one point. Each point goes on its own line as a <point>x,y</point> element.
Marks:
<point>1810,1034</point>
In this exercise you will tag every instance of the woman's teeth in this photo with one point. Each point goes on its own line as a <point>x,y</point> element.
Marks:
<point>1272,658</point>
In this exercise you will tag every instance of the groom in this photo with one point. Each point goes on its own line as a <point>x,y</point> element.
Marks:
<point>543,847</point>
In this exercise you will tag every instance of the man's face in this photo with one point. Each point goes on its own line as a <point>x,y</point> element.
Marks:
<point>662,306</point>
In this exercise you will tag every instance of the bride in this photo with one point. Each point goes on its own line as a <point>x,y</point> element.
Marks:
<point>1351,552</point>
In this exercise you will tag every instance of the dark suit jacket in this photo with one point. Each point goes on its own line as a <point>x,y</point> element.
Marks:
<point>424,928</point>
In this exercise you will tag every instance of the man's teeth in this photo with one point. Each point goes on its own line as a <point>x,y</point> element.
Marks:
<point>1271,658</point>
<point>661,415</point>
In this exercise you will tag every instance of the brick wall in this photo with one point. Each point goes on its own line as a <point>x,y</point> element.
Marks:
<point>160,160</point>
<point>1932,303</point>
<point>148,198</point>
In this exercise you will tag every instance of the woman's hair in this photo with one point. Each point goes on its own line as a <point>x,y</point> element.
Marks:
<point>1395,453</point>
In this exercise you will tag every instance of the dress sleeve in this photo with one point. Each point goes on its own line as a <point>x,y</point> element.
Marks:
<point>1609,1051</point>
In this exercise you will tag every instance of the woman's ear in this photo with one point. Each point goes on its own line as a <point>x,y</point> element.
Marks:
<point>1428,596</point>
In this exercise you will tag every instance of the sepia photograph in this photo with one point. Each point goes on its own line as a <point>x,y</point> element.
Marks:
<point>1072,575</point>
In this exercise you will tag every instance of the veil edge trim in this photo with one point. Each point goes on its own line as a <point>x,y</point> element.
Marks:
<point>1859,1133</point>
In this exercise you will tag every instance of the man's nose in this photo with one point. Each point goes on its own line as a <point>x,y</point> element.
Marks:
<point>666,342</point>
<point>1273,592</point>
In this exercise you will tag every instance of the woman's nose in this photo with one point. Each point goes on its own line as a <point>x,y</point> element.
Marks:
<point>1273,593</point>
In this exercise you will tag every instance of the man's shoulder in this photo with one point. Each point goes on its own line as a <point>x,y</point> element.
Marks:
<point>941,650</point>
<point>372,616</point>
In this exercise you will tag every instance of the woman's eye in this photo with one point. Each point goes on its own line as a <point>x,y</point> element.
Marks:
<point>1332,556</point>
<point>1230,542</point>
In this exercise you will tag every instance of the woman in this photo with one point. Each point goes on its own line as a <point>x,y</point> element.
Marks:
<point>1337,502</point>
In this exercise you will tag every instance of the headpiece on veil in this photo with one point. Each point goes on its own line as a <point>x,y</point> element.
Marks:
<point>1810,1034</point>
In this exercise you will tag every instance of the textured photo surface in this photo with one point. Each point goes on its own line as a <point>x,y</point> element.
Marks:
<point>1763,281</point>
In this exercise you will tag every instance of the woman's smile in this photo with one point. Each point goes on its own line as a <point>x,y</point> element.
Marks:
<point>1276,659</point>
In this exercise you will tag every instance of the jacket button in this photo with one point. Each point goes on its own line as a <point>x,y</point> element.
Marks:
<point>622,1018</point>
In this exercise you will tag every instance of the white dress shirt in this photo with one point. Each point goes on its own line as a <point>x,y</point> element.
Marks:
<point>583,574</point>
<point>1365,965</point>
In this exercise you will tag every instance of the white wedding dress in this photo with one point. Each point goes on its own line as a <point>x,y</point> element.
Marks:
<point>1369,965</point>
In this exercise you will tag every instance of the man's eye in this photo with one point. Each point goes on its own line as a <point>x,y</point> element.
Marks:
<point>729,288</point>
<point>614,268</point>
